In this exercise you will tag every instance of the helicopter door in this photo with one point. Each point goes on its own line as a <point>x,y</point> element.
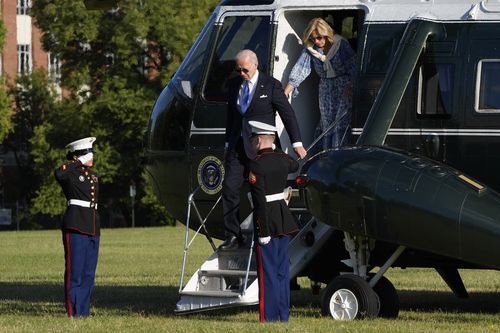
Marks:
<point>235,31</point>
<point>290,28</point>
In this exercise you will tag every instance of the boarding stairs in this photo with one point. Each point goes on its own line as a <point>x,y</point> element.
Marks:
<point>228,278</point>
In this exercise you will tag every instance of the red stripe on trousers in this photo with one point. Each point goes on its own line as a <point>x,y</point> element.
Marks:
<point>68,274</point>
<point>261,284</point>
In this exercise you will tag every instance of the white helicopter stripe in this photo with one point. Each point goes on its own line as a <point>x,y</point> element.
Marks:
<point>437,131</point>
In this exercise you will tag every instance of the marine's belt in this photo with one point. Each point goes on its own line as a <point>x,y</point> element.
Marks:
<point>82,203</point>
<point>275,197</point>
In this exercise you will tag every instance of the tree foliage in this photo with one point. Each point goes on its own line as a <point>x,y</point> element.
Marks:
<point>5,101</point>
<point>114,64</point>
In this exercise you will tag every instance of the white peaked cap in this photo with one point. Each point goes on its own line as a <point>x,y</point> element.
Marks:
<point>81,144</point>
<point>262,128</point>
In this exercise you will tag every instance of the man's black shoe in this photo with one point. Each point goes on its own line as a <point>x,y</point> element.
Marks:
<point>242,240</point>
<point>229,243</point>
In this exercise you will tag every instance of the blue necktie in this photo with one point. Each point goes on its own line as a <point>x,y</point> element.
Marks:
<point>245,97</point>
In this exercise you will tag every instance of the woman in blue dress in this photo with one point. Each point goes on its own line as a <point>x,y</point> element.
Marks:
<point>334,61</point>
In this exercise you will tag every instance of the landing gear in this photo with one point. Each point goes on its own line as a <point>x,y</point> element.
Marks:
<point>388,298</point>
<point>349,297</point>
<point>361,294</point>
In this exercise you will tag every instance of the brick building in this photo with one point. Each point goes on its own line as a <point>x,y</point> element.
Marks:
<point>23,49</point>
<point>22,53</point>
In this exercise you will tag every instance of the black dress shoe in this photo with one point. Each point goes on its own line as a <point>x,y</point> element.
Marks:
<point>229,243</point>
<point>242,240</point>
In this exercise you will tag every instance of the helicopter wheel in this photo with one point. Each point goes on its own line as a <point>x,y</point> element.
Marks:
<point>349,297</point>
<point>388,298</point>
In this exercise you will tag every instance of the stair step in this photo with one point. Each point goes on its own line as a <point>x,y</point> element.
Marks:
<point>227,272</point>
<point>211,293</point>
<point>241,251</point>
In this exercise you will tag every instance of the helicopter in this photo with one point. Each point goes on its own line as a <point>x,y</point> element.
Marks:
<point>416,186</point>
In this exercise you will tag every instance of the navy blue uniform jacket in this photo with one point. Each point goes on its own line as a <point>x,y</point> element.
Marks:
<point>268,175</point>
<point>268,98</point>
<point>79,182</point>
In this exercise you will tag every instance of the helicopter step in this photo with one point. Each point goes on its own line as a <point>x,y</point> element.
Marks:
<point>228,278</point>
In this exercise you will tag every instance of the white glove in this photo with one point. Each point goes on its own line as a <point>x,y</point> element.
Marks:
<point>85,158</point>
<point>264,240</point>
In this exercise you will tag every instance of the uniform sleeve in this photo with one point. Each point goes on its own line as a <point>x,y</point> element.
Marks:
<point>258,191</point>
<point>300,71</point>
<point>63,171</point>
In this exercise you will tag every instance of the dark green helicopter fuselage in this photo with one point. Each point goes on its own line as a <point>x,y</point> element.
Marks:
<point>424,172</point>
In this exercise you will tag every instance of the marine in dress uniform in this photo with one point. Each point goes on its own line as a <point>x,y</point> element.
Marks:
<point>253,96</point>
<point>273,222</point>
<point>80,226</point>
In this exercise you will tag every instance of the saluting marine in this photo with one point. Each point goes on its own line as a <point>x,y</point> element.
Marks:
<point>80,225</point>
<point>273,222</point>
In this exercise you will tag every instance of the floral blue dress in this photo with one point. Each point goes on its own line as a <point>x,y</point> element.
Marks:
<point>335,94</point>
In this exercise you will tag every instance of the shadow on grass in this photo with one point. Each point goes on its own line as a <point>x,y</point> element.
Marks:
<point>147,300</point>
<point>160,300</point>
<point>420,301</point>
<point>427,301</point>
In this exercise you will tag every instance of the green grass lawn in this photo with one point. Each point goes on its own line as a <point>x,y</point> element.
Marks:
<point>137,284</point>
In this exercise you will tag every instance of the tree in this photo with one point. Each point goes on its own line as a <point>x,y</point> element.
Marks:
<point>35,105</point>
<point>114,64</point>
<point>5,102</point>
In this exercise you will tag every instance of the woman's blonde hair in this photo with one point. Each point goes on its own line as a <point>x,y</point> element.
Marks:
<point>321,27</point>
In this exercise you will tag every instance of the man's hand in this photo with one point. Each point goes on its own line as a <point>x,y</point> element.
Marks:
<point>300,151</point>
<point>264,240</point>
<point>85,159</point>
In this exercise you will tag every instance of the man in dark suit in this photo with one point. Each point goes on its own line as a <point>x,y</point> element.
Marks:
<point>80,226</point>
<point>252,96</point>
<point>273,222</point>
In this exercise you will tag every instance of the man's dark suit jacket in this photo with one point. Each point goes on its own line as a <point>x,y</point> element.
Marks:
<point>268,98</point>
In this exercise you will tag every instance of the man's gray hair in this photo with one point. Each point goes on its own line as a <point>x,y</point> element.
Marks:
<point>247,54</point>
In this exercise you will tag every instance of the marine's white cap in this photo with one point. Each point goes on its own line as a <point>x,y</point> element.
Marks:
<point>262,128</point>
<point>82,144</point>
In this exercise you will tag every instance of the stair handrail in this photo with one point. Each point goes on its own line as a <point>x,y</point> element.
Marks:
<point>328,129</point>
<point>187,243</point>
<point>252,243</point>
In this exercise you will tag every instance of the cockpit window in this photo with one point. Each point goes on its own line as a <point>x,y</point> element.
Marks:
<point>188,76</point>
<point>170,119</point>
<point>237,33</point>
<point>488,86</point>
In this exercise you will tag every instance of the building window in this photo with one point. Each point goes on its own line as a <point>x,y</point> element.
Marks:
<point>23,7</point>
<point>435,91</point>
<point>54,68</point>
<point>488,86</point>
<point>24,63</point>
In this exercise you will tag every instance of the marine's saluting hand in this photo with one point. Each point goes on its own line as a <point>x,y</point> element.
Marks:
<point>85,159</point>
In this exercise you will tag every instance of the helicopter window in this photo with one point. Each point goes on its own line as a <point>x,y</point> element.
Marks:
<point>381,47</point>
<point>170,118</point>
<point>237,33</point>
<point>169,122</point>
<point>188,75</point>
<point>435,92</point>
<point>488,86</point>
